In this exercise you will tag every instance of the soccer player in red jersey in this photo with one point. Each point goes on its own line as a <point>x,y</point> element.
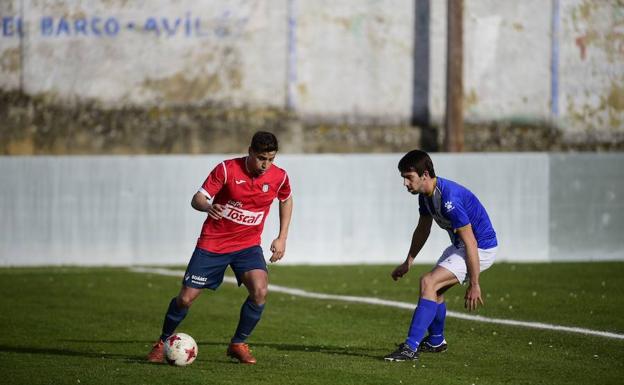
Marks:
<point>237,196</point>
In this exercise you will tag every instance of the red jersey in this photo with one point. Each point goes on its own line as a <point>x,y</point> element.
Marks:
<point>247,202</point>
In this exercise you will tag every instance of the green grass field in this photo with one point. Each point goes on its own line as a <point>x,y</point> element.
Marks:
<point>95,326</point>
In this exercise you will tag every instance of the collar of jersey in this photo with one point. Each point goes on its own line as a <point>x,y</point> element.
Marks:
<point>435,184</point>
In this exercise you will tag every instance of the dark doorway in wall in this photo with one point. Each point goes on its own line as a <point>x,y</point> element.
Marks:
<point>420,88</point>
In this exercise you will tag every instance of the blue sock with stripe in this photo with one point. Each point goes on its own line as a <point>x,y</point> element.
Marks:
<point>249,316</point>
<point>423,315</point>
<point>172,319</point>
<point>436,329</point>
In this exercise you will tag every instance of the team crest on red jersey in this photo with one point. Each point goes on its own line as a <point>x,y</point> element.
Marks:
<point>265,187</point>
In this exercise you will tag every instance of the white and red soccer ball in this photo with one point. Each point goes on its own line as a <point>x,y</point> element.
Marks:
<point>180,349</point>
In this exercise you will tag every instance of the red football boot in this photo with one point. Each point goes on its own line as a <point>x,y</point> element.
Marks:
<point>158,352</point>
<point>241,352</point>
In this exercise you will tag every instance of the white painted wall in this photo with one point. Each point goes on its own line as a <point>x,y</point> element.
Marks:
<point>592,67</point>
<point>354,58</point>
<point>348,208</point>
<point>508,54</point>
<point>351,59</point>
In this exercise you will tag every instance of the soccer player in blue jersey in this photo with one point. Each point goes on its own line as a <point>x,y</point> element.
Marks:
<point>473,249</point>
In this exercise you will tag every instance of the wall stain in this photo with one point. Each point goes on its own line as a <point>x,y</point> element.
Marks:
<point>615,104</point>
<point>180,89</point>
<point>302,90</point>
<point>220,73</point>
<point>605,118</point>
<point>11,7</point>
<point>518,27</point>
<point>595,30</point>
<point>235,78</point>
<point>471,99</point>
<point>615,99</point>
<point>10,60</point>
<point>115,3</point>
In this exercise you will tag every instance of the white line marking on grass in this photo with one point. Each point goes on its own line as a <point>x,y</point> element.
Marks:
<point>397,304</point>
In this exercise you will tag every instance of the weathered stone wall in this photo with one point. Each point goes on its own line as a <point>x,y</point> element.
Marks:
<point>39,126</point>
<point>194,76</point>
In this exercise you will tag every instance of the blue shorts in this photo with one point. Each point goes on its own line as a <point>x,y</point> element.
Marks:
<point>205,269</point>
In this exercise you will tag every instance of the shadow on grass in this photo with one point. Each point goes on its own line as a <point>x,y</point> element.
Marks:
<point>354,351</point>
<point>73,353</point>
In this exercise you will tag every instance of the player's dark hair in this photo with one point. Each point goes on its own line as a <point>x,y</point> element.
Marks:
<point>264,141</point>
<point>418,161</point>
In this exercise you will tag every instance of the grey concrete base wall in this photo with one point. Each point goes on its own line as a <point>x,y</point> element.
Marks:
<point>586,206</point>
<point>348,208</point>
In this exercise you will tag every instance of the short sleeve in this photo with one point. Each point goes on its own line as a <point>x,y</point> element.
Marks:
<point>284,192</point>
<point>215,181</point>
<point>453,209</point>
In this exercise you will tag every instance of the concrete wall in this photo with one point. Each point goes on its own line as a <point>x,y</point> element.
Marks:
<point>348,208</point>
<point>349,60</point>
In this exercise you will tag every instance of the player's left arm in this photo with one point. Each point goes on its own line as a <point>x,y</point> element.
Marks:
<point>473,292</point>
<point>278,246</point>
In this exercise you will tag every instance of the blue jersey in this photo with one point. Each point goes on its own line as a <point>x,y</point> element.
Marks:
<point>453,206</point>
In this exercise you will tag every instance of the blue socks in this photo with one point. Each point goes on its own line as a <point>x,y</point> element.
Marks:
<point>423,315</point>
<point>436,329</point>
<point>172,319</point>
<point>249,316</point>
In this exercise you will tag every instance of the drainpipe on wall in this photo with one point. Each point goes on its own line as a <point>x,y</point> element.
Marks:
<point>554,61</point>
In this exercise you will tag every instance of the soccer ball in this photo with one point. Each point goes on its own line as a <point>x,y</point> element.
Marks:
<point>180,349</point>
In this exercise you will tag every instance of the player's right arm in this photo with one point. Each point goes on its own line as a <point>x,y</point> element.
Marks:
<point>209,189</point>
<point>420,236</point>
<point>200,203</point>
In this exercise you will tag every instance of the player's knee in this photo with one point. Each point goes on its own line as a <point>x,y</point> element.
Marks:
<point>427,283</point>
<point>184,301</point>
<point>259,295</point>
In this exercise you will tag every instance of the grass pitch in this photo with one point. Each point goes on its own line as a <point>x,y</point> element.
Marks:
<point>95,326</point>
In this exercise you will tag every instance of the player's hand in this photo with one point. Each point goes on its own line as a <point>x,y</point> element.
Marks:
<point>400,271</point>
<point>278,247</point>
<point>215,211</point>
<point>473,297</point>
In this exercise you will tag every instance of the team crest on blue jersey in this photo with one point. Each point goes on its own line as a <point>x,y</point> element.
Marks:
<point>265,187</point>
<point>449,205</point>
